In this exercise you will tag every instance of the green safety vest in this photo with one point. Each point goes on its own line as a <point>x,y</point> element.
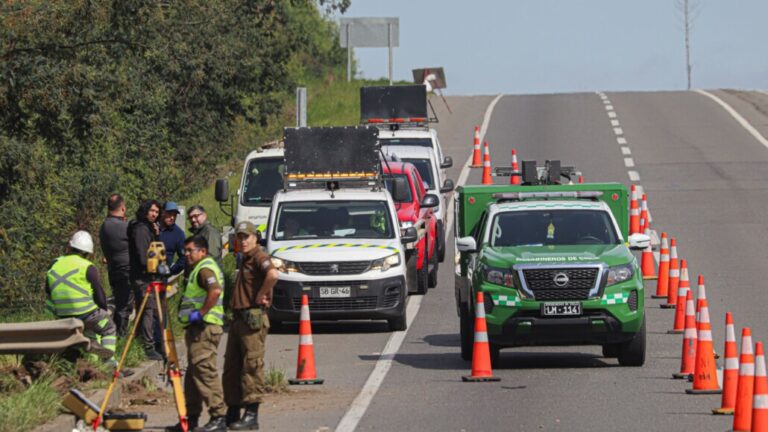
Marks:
<point>195,295</point>
<point>71,293</point>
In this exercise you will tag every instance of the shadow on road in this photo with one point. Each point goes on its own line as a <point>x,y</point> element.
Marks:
<point>550,360</point>
<point>443,340</point>
<point>334,327</point>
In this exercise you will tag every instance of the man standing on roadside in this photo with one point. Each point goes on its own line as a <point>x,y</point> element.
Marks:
<point>201,226</point>
<point>243,378</point>
<point>202,313</point>
<point>141,232</point>
<point>173,238</point>
<point>113,237</point>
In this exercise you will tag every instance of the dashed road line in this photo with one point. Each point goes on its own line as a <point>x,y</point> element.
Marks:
<point>629,163</point>
<point>621,140</point>
<point>634,176</point>
<point>618,131</point>
<point>626,151</point>
<point>360,405</point>
<point>611,114</point>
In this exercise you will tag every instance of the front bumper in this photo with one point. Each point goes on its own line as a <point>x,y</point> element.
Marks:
<point>369,299</point>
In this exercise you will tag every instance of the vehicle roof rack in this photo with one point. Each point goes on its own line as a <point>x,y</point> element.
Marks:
<point>548,174</point>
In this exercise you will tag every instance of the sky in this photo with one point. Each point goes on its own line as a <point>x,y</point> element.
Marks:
<point>563,46</point>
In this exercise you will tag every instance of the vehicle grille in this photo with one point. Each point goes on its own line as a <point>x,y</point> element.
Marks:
<point>580,282</point>
<point>330,268</point>
<point>337,283</point>
<point>339,304</point>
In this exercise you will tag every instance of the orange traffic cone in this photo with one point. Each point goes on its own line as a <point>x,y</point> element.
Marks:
<point>515,179</point>
<point>760,398</point>
<point>481,351</point>
<point>688,358</point>
<point>662,286</point>
<point>674,276</point>
<point>705,371</point>
<point>682,290</point>
<point>305,367</point>
<point>634,213</point>
<point>731,371</point>
<point>486,165</point>
<point>742,413</point>
<point>644,207</point>
<point>648,263</point>
<point>643,214</point>
<point>476,157</point>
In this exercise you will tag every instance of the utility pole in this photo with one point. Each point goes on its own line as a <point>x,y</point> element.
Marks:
<point>689,10</point>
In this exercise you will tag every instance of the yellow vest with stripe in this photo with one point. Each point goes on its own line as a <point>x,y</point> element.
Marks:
<point>195,295</point>
<point>71,293</point>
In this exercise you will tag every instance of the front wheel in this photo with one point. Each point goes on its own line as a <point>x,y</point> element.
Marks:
<point>632,353</point>
<point>439,230</point>
<point>466,331</point>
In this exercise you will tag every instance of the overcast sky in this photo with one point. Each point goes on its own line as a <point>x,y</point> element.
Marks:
<point>553,46</point>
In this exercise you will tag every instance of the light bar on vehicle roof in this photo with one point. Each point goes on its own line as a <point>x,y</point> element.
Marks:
<point>560,194</point>
<point>397,120</point>
<point>331,176</point>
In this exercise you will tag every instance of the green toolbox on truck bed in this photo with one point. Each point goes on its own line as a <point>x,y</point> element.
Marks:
<point>554,265</point>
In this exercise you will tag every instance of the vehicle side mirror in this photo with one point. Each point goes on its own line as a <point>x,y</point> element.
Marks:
<point>466,244</point>
<point>410,235</point>
<point>447,186</point>
<point>400,189</point>
<point>430,200</point>
<point>263,242</point>
<point>222,190</point>
<point>447,162</point>
<point>639,241</point>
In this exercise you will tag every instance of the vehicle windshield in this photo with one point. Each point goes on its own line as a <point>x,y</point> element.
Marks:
<point>553,227</point>
<point>263,178</point>
<point>425,171</point>
<point>404,195</point>
<point>333,219</point>
<point>420,142</point>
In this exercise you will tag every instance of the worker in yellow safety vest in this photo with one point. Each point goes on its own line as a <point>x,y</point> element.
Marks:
<point>74,290</point>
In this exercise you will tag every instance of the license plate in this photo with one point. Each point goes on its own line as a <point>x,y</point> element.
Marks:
<point>330,292</point>
<point>561,309</point>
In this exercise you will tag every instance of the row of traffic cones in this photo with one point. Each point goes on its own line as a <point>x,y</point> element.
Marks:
<point>484,160</point>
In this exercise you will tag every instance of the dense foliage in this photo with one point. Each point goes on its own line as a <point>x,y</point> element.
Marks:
<point>142,97</point>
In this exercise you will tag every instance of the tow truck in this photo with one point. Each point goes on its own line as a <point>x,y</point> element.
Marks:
<point>333,232</point>
<point>415,209</point>
<point>553,263</point>
<point>401,114</point>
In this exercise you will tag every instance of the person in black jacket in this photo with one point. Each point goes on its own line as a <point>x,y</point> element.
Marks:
<point>141,232</point>
<point>113,237</point>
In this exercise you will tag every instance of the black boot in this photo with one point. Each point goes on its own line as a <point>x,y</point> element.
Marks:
<point>250,420</point>
<point>215,424</point>
<point>233,415</point>
<point>191,423</point>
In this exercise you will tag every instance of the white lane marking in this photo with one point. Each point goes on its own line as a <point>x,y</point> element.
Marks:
<point>741,120</point>
<point>618,131</point>
<point>621,140</point>
<point>615,123</point>
<point>629,163</point>
<point>633,176</point>
<point>626,151</point>
<point>611,114</point>
<point>360,405</point>
<point>608,106</point>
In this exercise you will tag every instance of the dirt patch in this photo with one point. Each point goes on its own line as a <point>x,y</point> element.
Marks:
<point>145,393</point>
<point>87,372</point>
<point>306,399</point>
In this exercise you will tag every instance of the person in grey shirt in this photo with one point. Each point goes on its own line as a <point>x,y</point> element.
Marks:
<point>198,218</point>
<point>113,237</point>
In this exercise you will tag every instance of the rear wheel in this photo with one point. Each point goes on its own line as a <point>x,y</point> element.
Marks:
<point>422,275</point>
<point>466,331</point>
<point>632,353</point>
<point>435,265</point>
<point>440,241</point>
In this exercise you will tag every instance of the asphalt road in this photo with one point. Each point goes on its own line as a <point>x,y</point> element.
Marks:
<point>705,178</point>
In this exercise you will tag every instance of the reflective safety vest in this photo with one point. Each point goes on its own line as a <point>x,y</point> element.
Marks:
<point>71,293</point>
<point>195,295</point>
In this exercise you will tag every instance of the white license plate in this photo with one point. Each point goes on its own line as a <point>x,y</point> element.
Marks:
<point>561,309</point>
<point>330,292</point>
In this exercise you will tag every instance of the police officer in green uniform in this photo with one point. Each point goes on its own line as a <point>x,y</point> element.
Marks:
<point>243,376</point>
<point>202,312</point>
<point>74,290</point>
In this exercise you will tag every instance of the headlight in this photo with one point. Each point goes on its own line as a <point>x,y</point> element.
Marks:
<point>284,266</point>
<point>499,276</point>
<point>386,263</point>
<point>621,273</point>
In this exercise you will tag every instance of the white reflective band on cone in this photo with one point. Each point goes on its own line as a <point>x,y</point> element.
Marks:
<point>674,273</point>
<point>664,257</point>
<point>480,312</point>
<point>746,345</point>
<point>760,401</point>
<point>304,313</point>
<point>690,333</point>
<point>634,212</point>
<point>731,363</point>
<point>705,335</point>
<point>747,369</point>
<point>305,340</point>
<point>481,337</point>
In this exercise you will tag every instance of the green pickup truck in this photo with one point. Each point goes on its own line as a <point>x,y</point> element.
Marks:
<point>554,265</point>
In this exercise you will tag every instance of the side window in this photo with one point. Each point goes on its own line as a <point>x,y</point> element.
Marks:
<point>418,184</point>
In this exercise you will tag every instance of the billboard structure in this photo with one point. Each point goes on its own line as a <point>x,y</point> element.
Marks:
<point>369,33</point>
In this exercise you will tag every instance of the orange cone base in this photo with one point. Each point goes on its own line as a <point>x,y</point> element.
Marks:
<point>701,392</point>
<point>652,277</point>
<point>476,166</point>
<point>679,375</point>
<point>667,306</point>
<point>480,378</point>
<point>722,411</point>
<point>658,296</point>
<point>297,381</point>
<point>675,331</point>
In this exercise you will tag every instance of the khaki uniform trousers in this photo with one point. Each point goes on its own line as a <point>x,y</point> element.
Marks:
<point>201,382</point>
<point>243,377</point>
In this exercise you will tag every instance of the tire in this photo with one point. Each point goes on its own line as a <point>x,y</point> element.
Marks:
<point>440,241</point>
<point>435,266</point>
<point>466,331</point>
<point>611,350</point>
<point>495,351</point>
<point>632,353</point>
<point>422,276</point>
<point>398,324</point>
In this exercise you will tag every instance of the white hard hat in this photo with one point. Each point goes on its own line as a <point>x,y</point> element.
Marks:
<point>82,241</point>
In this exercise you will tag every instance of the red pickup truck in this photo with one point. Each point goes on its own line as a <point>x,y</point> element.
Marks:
<point>415,209</point>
